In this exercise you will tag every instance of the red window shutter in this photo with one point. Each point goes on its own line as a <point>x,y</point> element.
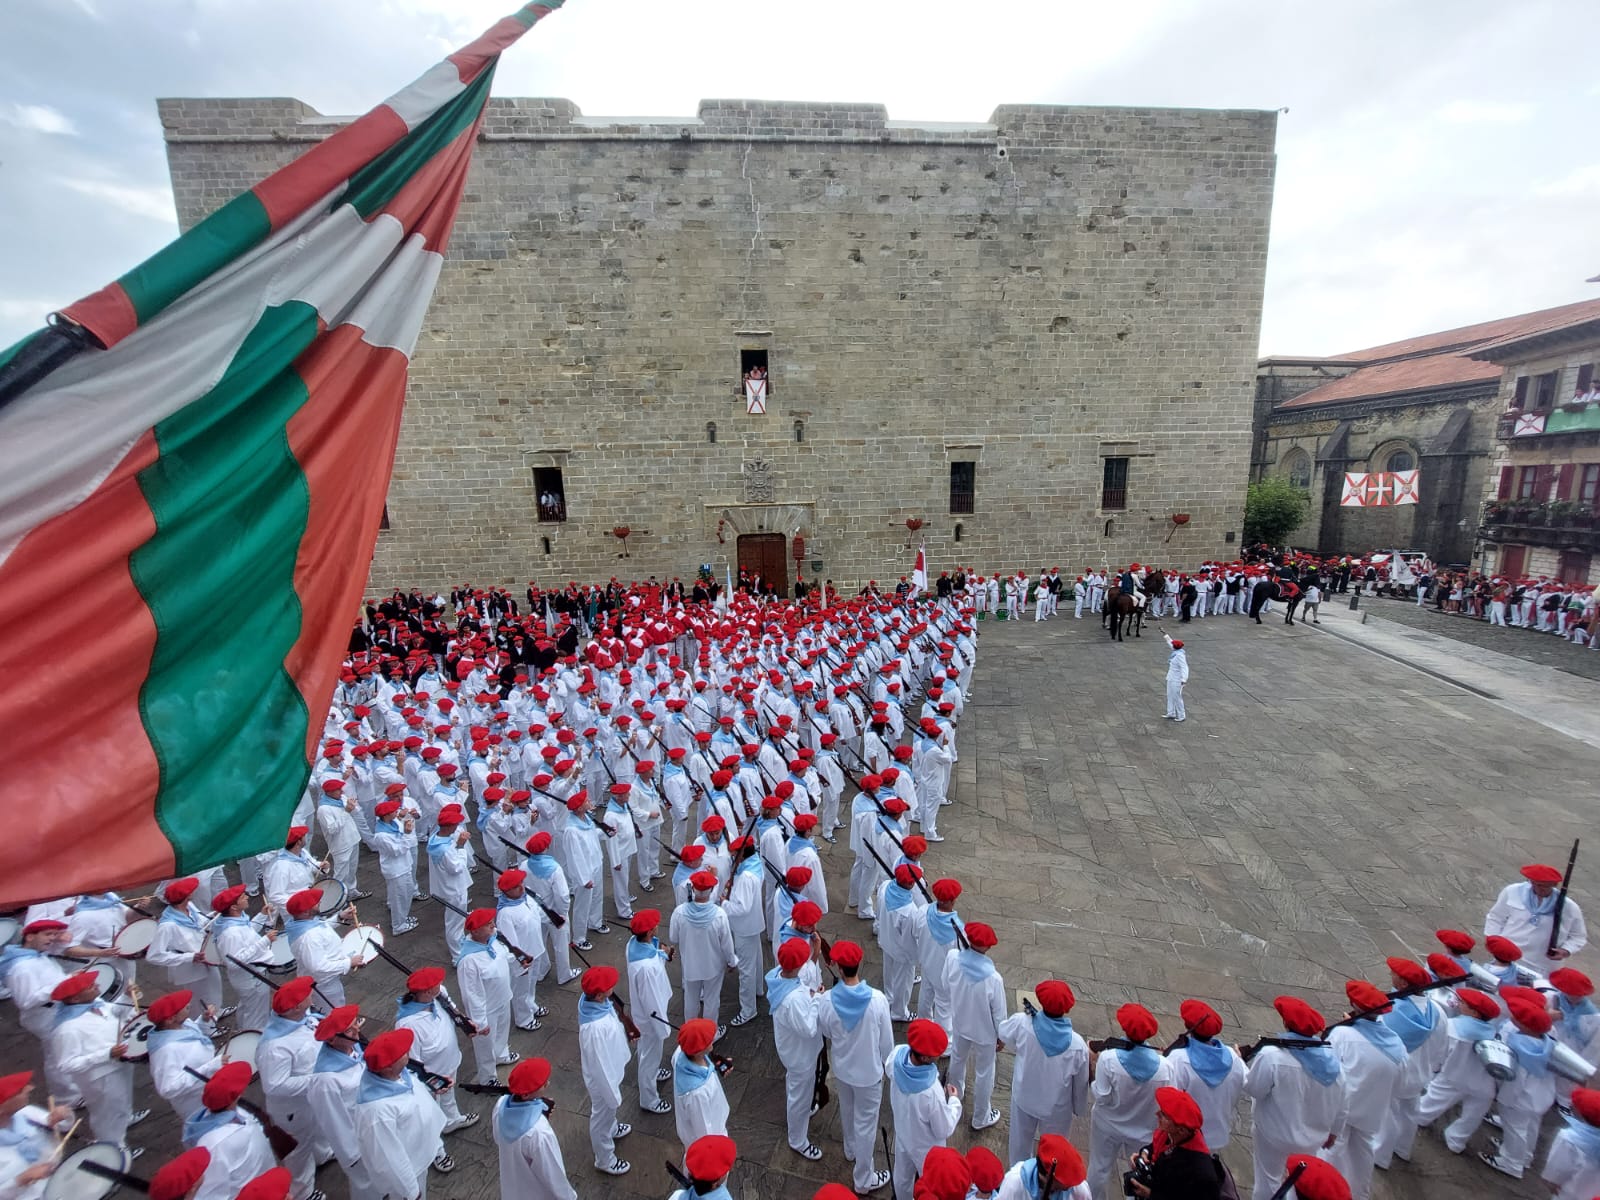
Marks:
<point>1564,482</point>
<point>1543,476</point>
<point>1507,474</point>
<point>1521,398</point>
<point>1511,560</point>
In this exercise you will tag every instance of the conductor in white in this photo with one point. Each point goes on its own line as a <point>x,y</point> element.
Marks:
<point>1177,676</point>
<point>1526,913</point>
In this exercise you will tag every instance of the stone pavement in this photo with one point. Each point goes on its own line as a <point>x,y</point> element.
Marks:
<point>1544,649</point>
<point>1321,809</point>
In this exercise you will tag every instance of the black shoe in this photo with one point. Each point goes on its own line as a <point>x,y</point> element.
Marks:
<point>138,1116</point>
<point>601,929</point>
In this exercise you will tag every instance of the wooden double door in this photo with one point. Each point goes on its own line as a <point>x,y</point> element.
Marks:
<point>763,554</point>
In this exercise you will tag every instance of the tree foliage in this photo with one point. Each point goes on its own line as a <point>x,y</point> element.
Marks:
<point>1273,509</point>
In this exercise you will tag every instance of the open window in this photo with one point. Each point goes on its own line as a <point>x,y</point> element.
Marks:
<point>753,382</point>
<point>551,494</point>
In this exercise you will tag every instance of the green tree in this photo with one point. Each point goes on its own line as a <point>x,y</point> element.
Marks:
<point>1273,509</point>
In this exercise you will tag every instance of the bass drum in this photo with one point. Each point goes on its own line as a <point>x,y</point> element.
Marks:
<point>242,1047</point>
<point>71,1181</point>
<point>137,1036</point>
<point>333,897</point>
<point>1497,1058</point>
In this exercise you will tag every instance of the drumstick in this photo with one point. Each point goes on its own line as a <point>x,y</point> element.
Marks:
<point>62,1144</point>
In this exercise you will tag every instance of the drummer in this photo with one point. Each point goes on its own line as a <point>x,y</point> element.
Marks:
<point>86,1039</point>
<point>318,950</point>
<point>176,1042</point>
<point>291,870</point>
<point>239,936</point>
<point>30,971</point>
<point>238,1147</point>
<point>26,1147</point>
<point>179,946</point>
<point>94,923</point>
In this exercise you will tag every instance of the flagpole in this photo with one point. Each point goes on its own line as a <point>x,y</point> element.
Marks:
<point>43,353</point>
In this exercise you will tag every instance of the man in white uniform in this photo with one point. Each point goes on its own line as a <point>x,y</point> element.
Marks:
<point>925,1112</point>
<point>423,1010</point>
<point>1295,1094</point>
<point>287,1052</point>
<point>977,1006</point>
<point>398,1125</point>
<point>603,1047</point>
<point>854,1017</point>
<point>651,990</point>
<point>519,918</point>
<point>180,936</point>
<point>484,972</point>
<point>1525,913</point>
<point>239,936</point>
<point>1372,1061</point>
<point>798,1040</point>
<point>531,1164</point>
<point>85,1039</point>
<point>175,1043</point>
<point>234,1141</point>
<point>1209,1070</point>
<point>28,1137</point>
<point>331,1094</point>
<point>1177,677</point>
<point>337,823</point>
<point>700,931</point>
<point>30,972</point>
<point>1125,1082</point>
<point>1050,1077</point>
<point>318,950</point>
<point>291,870</point>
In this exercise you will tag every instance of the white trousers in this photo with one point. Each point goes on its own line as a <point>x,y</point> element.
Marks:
<point>255,1004</point>
<point>982,1055</point>
<point>585,912</point>
<point>1175,700</point>
<point>1027,1129</point>
<point>748,947</point>
<point>493,1046</point>
<point>1108,1156</point>
<point>798,1088</point>
<point>858,1122</point>
<point>1519,1133</point>
<point>1440,1098</point>
<point>897,985</point>
<point>1399,1132</point>
<point>702,998</point>
<point>110,1100</point>
<point>652,1038</point>
<point>1352,1155</point>
<point>399,891</point>
<point>1270,1159</point>
<point>602,1130</point>
<point>524,994</point>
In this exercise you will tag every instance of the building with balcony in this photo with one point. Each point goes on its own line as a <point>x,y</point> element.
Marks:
<point>1541,515</point>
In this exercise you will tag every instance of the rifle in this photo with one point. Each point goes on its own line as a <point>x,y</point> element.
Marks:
<point>1561,903</point>
<point>521,955</point>
<point>961,936</point>
<point>682,1180</point>
<point>819,1089</point>
<point>733,870</point>
<point>550,914</point>
<point>722,1063</point>
<point>1287,1185</point>
<point>282,1141</point>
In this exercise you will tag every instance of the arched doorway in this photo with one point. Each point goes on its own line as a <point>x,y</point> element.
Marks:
<point>762,554</point>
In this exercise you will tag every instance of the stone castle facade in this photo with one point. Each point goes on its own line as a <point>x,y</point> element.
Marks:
<point>1036,334</point>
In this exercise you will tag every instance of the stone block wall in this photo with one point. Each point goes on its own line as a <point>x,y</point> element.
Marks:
<point>1031,293</point>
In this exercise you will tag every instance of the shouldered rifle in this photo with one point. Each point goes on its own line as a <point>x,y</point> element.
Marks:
<point>1290,1180</point>
<point>722,1063</point>
<point>132,1182</point>
<point>679,1178</point>
<point>617,1001</point>
<point>1561,903</point>
<point>282,1141</point>
<point>522,956</point>
<point>551,915</point>
<point>462,1021</point>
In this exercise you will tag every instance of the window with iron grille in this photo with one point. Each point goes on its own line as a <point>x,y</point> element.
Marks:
<point>963,486</point>
<point>1114,484</point>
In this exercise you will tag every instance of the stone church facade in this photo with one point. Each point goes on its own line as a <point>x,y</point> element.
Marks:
<point>1035,334</point>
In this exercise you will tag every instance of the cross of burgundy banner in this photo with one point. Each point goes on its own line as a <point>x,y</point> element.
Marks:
<point>755,396</point>
<point>1355,490</point>
<point>1528,423</point>
<point>1380,489</point>
<point>1405,487</point>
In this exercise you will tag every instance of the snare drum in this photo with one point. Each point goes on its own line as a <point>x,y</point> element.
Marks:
<point>210,952</point>
<point>242,1047</point>
<point>333,897</point>
<point>1569,1064</point>
<point>70,1181</point>
<point>137,1036</point>
<point>1497,1058</point>
<point>361,943</point>
<point>281,960</point>
<point>111,981</point>
<point>135,938</point>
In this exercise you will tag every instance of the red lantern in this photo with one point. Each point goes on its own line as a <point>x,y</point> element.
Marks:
<point>799,548</point>
<point>1180,518</point>
<point>913,523</point>
<point>621,531</point>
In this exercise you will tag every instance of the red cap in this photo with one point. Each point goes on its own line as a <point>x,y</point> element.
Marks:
<point>292,995</point>
<point>710,1157</point>
<point>227,897</point>
<point>696,1036</point>
<point>177,1179</point>
<point>796,878</point>
<point>1586,1103</point>
<point>338,1021</point>
<point>478,918</point>
<point>946,889</point>
<point>528,1076</point>
<point>713,824</point>
<point>1503,949</point>
<point>1137,1022</point>
<point>424,978</point>
<point>1055,998</point>
<point>169,1006</point>
<point>389,1047</point>
<point>847,954</point>
<point>1532,1015</point>
<point>981,936</point>
<point>986,1167</point>
<point>1200,1018</point>
<point>1541,873</point>
<point>1481,1003</point>
<point>703,881</point>
<point>44,926</point>
<point>296,832</point>
<point>179,890</point>
<point>927,1038</point>
<point>598,979</point>
<point>1571,982</point>
<point>644,920</point>
<point>510,879</point>
<point>539,842</point>
<point>269,1185</point>
<point>1319,1181</point>
<point>226,1085</point>
<point>945,1176</point>
<point>1412,974</point>
<point>1455,941</point>
<point>1299,1017</point>
<point>1180,1107</point>
<point>906,875</point>
<point>1444,967</point>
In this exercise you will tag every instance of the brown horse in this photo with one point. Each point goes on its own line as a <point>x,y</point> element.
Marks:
<point>1120,607</point>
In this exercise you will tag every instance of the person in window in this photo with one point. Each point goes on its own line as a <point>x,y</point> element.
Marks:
<point>1177,1164</point>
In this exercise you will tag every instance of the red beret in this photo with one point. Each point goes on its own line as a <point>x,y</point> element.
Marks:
<point>292,995</point>
<point>1503,949</point>
<point>452,815</point>
<point>914,845</point>
<point>847,954</point>
<point>981,936</point>
<point>805,822</point>
<point>10,1085</point>
<point>304,901</point>
<point>1412,974</point>
<point>1570,982</point>
<point>269,1185</point>
<point>703,881</point>
<point>902,753</point>
<point>1455,941</point>
<point>424,978</point>
<point>721,779</point>
<point>711,1156</point>
<point>1541,873</point>
<point>1319,1181</point>
<point>945,1176</point>
<point>1366,997</point>
<point>539,843</point>
<point>1586,1103</point>
<point>1445,967</point>
<point>296,832</point>
<point>793,953</point>
<point>692,854</point>
<point>389,1047</point>
<point>1070,1171</point>
<point>44,926</point>
<point>227,897</point>
<point>695,1036</point>
<point>598,979</point>
<point>784,789</point>
<point>946,889</point>
<point>393,789</point>
<point>495,777</point>
<point>797,877</point>
<point>528,1076</point>
<point>894,806</point>
<point>478,918</point>
<point>338,1021</point>
<point>510,879</point>
<point>1055,998</point>
<point>927,1038</point>
<point>616,789</point>
<point>180,890</point>
<point>1299,1017</point>
<point>72,985</point>
<point>226,1085</point>
<point>644,920</point>
<point>713,824</point>
<point>806,912</point>
<point>1137,1022</point>
<point>1200,1018</point>
<point>177,1178</point>
<point>987,1169</point>
<point>871,783</point>
<point>1530,1014</point>
<point>1480,1003</point>
<point>169,1006</point>
<point>1180,1107</point>
<point>332,786</point>
<point>906,875</point>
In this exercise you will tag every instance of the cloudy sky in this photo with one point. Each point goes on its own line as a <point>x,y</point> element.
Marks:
<point>1437,165</point>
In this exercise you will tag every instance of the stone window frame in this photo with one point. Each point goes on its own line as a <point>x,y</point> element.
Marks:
<point>1380,458</point>
<point>1297,457</point>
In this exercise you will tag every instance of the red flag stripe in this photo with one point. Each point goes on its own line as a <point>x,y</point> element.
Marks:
<point>477,54</point>
<point>289,191</point>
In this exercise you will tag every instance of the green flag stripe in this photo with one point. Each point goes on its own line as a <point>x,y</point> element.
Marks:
<point>233,229</point>
<point>230,501</point>
<point>375,184</point>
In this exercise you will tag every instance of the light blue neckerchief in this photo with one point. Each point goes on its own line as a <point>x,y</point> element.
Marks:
<point>180,916</point>
<point>688,1075</point>
<point>515,1118</point>
<point>908,1076</point>
<point>1586,1136</point>
<point>1054,1034</point>
<point>699,913</point>
<point>642,951</point>
<point>387,826</point>
<point>1141,1062</point>
<point>69,1012</point>
<point>1574,1010</point>
<point>1533,1053</point>
<point>779,988</point>
<point>941,925</point>
<point>974,964</point>
<point>1467,1028</point>
<point>680,875</point>
<point>299,927</point>
<point>104,900</point>
<point>22,1140</point>
<point>1384,1038</point>
<point>473,946</point>
<point>590,1011</point>
<point>189,1031</point>
<point>12,955</point>
<point>850,1001</point>
<point>1413,1024</point>
<point>1536,906</point>
<point>439,843</point>
<point>1211,1060</point>
<point>329,1059</point>
<point>1317,1057</point>
<point>278,1026</point>
<point>205,1121</point>
<point>376,1087</point>
<point>222,923</point>
<point>797,843</point>
<point>409,1008</point>
<point>896,897</point>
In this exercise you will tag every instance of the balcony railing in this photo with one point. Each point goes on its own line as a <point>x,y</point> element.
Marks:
<point>1575,528</point>
<point>1516,425</point>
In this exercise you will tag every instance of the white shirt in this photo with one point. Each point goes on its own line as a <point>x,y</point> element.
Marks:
<point>1012,1188</point>
<point>604,1050</point>
<point>531,1167</point>
<point>34,1146</point>
<point>795,1030</point>
<point>239,1152</point>
<point>976,1006</point>
<point>1290,1107</point>
<point>1122,1104</point>
<point>702,1111</point>
<point>1510,918</point>
<point>1217,1104</point>
<point>485,978</point>
<point>922,1120</point>
<point>1370,1079</point>
<point>704,950</point>
<point>1569,1169</point>
<point>174,948</point>
<point>858,1054</point>
<point>1055,1088</point>
<point>319,952</point>
<point>169,1057</point>
<point>399,1136</point>
<point>435,1046</point>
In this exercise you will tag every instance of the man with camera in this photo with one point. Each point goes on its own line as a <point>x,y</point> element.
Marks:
<point>1177,1164</point>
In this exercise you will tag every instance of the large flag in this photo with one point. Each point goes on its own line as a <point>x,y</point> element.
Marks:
<point>919,573</point>
<point>187,515</point>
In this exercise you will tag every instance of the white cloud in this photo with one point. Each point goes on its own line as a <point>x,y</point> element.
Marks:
<point>1582,181</point>
<point>1485,112</point>
<point>38,118</point>
<point>152,202</point>
<point>22,312</point>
